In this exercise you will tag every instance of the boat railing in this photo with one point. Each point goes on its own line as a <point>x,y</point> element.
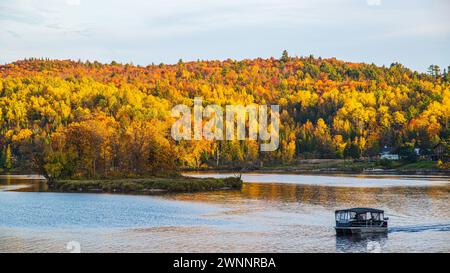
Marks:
<point>368,223</point>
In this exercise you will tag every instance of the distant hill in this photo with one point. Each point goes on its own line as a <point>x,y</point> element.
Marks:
<point>69,118</point>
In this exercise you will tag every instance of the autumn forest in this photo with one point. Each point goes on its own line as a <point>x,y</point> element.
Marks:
<point>67,118</point>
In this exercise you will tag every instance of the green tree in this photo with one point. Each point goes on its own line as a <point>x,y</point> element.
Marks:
<point>434,70</point>
<point>352,150</point>
<point>285,56</point>
<point>406,152</point>
<point>8,159</point>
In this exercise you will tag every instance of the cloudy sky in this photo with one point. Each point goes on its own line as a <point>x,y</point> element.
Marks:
<point>413,32</point>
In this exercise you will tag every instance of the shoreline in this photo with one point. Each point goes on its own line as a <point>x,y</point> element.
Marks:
<point>319,171</point>
<point>336,166</point>
<point>304,166</point>
<point>185,183</point>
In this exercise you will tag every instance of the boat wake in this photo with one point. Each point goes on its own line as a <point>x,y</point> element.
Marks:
<point>420,228</point>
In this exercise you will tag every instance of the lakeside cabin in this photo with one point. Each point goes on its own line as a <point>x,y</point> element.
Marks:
<point>360,220</point>
<point>387,153</point>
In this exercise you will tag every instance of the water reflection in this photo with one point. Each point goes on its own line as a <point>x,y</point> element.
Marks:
<point>262,216</point>
<point>24,183</point>
<point>429,203</point>
<point>338,180</point>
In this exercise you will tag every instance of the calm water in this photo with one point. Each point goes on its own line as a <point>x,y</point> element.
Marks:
<point>272,213</point>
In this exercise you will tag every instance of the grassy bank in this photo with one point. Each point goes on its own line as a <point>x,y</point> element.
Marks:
<point>360,166</point>
<point>146,185</point>
<point>342,166</point>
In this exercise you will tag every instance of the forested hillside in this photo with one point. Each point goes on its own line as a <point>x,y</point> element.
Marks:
<point>87,119</point>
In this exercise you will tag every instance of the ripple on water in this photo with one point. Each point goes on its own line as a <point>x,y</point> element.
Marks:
<point>265,217</point>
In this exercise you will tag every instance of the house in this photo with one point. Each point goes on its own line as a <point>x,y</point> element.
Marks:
<point>417,151</point>
<point>439,152</point>
<point>387,153</point>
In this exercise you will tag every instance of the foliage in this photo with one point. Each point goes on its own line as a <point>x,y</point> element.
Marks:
<point>87,119</point>
<point>386,163</point>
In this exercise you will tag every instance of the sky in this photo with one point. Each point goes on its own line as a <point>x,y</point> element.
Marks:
<point>415,33</point>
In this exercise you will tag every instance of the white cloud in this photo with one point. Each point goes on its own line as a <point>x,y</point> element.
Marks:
<point>373,2</point>
<point>73,2</point>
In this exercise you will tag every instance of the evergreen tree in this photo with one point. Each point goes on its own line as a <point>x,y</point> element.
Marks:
<point>285,56</point>
<point>8,160</point>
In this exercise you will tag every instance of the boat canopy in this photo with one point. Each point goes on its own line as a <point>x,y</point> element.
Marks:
<point>361,210</point>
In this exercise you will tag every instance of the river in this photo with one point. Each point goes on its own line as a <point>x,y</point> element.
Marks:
<point>272,213</point>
